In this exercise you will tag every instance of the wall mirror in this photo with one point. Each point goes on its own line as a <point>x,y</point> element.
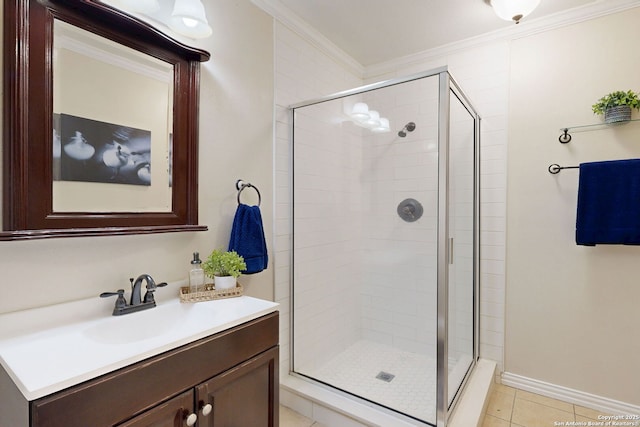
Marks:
<point>100,123</point>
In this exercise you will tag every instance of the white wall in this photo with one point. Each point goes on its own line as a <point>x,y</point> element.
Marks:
<point>236,129</point>
<point>572,311</point>
<point>302,73</point>
<point>399,259</point>
<point>328,205</point>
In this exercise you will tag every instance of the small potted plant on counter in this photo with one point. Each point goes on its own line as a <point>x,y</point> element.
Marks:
<point>617,106</point>
<point>224,267</point>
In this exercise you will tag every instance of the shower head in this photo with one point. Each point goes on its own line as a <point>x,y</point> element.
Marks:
<point>409,127</point>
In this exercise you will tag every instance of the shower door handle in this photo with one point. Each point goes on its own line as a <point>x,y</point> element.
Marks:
<point>450,250</point>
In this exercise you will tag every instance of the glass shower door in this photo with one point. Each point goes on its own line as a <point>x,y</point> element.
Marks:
<point>462,226</point>
<point>365,247</point>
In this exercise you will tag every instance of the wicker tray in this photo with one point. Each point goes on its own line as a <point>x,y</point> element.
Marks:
<point>210,293</point>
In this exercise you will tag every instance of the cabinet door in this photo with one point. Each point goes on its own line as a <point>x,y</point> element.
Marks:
<point>246,395</point>
<point>172,413</point>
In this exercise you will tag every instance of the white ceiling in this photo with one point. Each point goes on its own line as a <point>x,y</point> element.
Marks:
<point>376,31</point>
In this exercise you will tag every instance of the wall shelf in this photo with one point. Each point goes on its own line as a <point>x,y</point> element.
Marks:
<point>565,136</point>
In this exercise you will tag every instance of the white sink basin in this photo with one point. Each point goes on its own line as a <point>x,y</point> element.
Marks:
<point>135,327</point>
<point>46,350</point>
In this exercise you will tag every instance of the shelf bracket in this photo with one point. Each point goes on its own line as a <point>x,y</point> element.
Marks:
<point>565,137</point>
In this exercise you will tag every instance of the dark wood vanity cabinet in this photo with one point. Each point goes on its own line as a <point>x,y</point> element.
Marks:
<point>172,413</point>
<point>240,396</point>
<point>235,371</point>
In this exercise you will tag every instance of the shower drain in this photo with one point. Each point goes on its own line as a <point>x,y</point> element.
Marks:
<point>385,376</point>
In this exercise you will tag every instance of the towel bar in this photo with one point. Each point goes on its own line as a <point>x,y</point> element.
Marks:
<point>241,185</point>
<point>556,168</point>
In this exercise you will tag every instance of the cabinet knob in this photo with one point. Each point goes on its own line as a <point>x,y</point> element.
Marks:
<point>191,420</point>
<point>206,409</point>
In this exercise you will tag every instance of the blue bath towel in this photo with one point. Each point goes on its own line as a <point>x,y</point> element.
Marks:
<point>609,203</point>
<point>247,238</point>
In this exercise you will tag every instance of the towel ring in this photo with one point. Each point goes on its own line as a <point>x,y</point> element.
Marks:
<point>241,185</point>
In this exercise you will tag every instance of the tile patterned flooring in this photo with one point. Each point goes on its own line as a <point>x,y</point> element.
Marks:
<point>510,407</point>
<point>412,390</point>
<point>290,418</point>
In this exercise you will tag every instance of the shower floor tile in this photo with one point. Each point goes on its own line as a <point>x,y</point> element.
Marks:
<point>412,389</point>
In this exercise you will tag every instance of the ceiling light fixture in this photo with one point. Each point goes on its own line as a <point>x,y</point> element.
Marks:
<point>189,19</point>
<point>513,10</point>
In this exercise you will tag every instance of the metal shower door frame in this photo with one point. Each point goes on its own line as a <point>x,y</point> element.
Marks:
<point>447,85</point>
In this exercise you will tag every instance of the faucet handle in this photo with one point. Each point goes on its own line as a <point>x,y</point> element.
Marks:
<point>151,288</point>
<point>121,302</point>
<point>153,285</point>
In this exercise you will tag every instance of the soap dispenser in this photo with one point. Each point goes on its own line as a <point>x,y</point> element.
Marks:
<point>196,275</point>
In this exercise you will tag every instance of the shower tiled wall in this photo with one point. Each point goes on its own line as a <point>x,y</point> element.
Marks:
<point>483,73</point>
<point>303,72</point>
<point>399,258</point>
<point>328,208</point>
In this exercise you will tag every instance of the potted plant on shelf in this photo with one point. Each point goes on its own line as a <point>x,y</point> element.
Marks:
<point>617,106</point>
<point>224,267</point>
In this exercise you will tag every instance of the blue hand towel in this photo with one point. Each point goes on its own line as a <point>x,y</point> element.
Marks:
<point>247,238</point>
<point>609,203</point>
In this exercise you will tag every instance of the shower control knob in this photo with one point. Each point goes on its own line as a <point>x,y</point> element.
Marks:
<point>410,210</point>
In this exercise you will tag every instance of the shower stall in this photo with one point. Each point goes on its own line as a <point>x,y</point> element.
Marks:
<point>385,238</point>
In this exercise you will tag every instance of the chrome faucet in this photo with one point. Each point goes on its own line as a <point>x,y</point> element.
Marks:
<point>136,302</point>
<point>136,293</point>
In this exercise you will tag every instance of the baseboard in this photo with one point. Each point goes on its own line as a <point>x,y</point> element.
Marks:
<point>604,404</point>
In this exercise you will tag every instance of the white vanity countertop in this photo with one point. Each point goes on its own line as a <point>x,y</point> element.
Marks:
<point>47,349</point>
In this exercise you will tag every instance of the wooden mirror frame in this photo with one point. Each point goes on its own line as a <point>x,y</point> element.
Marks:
<point>28,121</point>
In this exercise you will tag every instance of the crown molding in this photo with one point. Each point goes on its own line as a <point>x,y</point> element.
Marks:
<point>301,27</point>
<point>527,28</point>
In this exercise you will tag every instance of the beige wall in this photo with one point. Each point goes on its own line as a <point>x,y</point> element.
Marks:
<point>571,311</point>
<point>236,133</point>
